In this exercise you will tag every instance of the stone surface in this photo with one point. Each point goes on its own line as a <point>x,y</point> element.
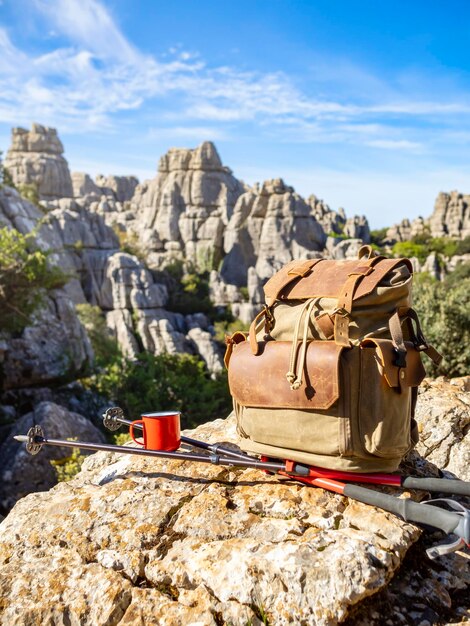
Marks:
<point>21,473</point>
<point>221,544</point>
<point>54,348</point>
<point>443,416</point>
<point>451,216</point>
<point>35,158</point>
<point>186,207</point>
<point>170,542</point>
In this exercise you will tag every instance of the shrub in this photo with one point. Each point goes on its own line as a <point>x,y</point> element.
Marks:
<point>165,382</point>
<point>377,236</point>
<point>444,311</point>
<point>68,467</point>
<point>25,277</point>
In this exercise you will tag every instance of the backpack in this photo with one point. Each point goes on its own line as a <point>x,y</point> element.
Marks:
<point>329,371</point>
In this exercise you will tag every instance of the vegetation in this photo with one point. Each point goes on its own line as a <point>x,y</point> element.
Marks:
<point>129,242</point>
<point>165,382</point>
<point>25,277</point>
<point>67,467</point>
<point>105,346</point>
<point>5,176</point>
<point>377,236</point>
<point>421,246</point>
<point>444,311</point>
<point>189,291</point>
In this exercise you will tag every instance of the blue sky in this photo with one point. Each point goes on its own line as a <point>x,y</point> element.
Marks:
<point>365,104</point>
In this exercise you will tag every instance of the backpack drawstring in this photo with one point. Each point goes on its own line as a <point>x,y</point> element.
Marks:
<point>295,379</point>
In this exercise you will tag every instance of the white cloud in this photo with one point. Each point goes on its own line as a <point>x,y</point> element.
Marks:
<point>390,144</point>
<point>100,73</point>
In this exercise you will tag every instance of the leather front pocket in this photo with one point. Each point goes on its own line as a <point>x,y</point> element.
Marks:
<point>260,380</point>
<point>313,418</point>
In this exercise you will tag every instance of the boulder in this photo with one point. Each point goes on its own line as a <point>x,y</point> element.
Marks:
<point>443,416</point>
<point>20,473</point>
<point>54,348</point>
<point>139,540</point>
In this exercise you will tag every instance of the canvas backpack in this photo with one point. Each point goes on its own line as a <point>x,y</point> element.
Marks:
<point>328,373</point>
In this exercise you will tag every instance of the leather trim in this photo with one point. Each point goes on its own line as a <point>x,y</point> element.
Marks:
<point>409,376</point>
<point>260,381</point>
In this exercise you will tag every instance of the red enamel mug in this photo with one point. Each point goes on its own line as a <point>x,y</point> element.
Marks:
<point>161,430</point>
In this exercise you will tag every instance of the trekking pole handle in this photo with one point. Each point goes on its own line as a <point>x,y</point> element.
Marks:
<point>437,485</point>
<point>450,522</point>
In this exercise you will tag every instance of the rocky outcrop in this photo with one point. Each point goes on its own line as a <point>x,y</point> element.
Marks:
<point>21,474</point>
<point>35,158</point>
<point>137,540</point>
<point>267,230</point>
<point>451,216</point>
<point>120,284</point>
<point>182,213</point>
<point>443,416</point>
<point>54,348</point>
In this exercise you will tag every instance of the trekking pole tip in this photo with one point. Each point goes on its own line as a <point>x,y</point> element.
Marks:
<point>21,438</point>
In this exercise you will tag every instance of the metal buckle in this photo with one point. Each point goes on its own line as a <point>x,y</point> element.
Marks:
<point>341,311</point>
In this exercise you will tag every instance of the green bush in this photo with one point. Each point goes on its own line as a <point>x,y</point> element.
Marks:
<point>410,249</point>
<point>377,236</point>
<point>463,246</point>
<point>444,312</point>
<point>165,382</point>
<point>68,467</point>
<point>104,345</point>
<point>25,277</point>
<point>189,291</point>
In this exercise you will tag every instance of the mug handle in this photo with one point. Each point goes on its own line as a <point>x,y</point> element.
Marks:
<point>131,431</point>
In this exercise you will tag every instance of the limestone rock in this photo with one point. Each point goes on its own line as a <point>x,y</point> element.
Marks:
<point>443,416</point>
<point>55,347</point>
<point>20,473</point>
<point>267,230</point>
<point>122,187</point>
<point>357,227</point>
<point>451,216</point>
<point>330,221</point>
<point>189,203</point>
<point>35,157</point>
<point>175,542</point>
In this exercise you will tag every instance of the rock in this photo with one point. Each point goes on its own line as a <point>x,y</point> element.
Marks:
<point>189,203</point>
<point>343,248</point>
<point>174,541</point>
<point>267,230</point>
<point>451,216</point>
<point>122,187</point>
<point>208,349</point>
<point>20,473</point>
<point>35,158</point>
<point>357,227</point>
<point>83,185</point>
<point>55,347</point>
<point>434,266</point>
<point>443,416</point>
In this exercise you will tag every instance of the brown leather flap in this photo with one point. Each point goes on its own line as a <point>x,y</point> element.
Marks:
<point>409,376</point>
<point>326,279</point>
<point>260,381</point>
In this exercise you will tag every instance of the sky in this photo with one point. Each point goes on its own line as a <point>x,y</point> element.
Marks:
<point>365,104</point>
